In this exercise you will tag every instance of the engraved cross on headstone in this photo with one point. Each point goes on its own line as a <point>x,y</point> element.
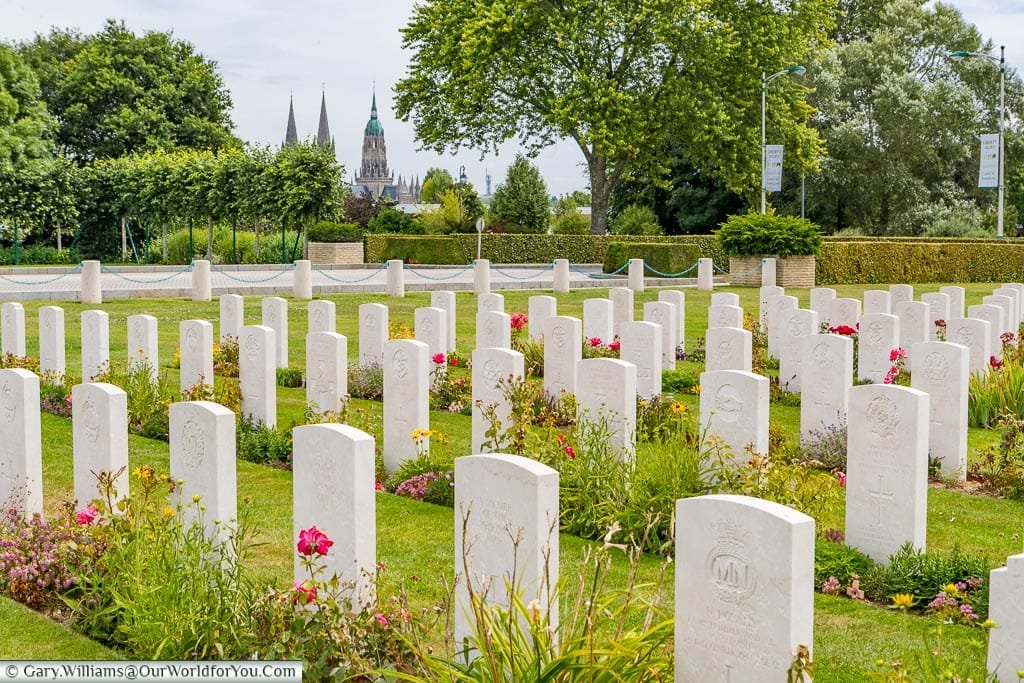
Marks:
<point>935,419</point>
<point>879,495</point>
<point>822,401</point>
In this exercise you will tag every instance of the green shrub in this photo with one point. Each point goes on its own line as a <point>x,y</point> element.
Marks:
<point>925,574</point>
<point>636,220</point>
<point>428,249</point>
<point>258,443</point>
<point>36,255</point>
<point>664,258</point>
<point>289,377</point>
<point>225,246</point>
<point>756,234</point>
<point>838,560</point>
<point>390,219</point>
<point>567,220</point>
<point>914,260</point>
<point>325,231</point>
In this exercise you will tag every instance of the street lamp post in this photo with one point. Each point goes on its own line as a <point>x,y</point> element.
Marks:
<point>1001,61</point>
<point>797,70</point>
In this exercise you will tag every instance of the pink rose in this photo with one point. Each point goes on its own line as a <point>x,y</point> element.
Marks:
<point>312,541</point>
<point>87,516</point>
<point>305,592</point>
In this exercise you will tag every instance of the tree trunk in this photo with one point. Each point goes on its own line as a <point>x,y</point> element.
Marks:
<point>163,240</point>
<point>256,226</point>
<point>600,190</point>
<point>60,240</point>
<point>124,238</point>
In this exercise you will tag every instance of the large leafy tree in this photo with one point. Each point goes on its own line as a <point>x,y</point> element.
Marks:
<point>25,124</point>
<point>618,77</point>
<point>115,92</point>
<point>900,120</point>
<point>522,202</point>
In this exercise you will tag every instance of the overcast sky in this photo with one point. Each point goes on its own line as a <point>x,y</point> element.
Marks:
<point>268,50</point>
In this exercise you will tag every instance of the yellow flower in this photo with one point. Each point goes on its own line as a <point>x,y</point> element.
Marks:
<point>902,600</point>
<point>950,589</point>
<point>195,498</point>
<point>678,407</point>
<point>417,433</point>
<point>168,511</point>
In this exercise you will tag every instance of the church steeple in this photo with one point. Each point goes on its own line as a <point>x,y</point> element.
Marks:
<point>291,136</point>
<point>373,171</point>
<point>323,131</point>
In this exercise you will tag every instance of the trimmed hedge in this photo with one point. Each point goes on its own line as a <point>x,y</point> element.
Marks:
<point>525,248</point>
<point>425,249</point>
<point>665,257</point>
<point>844,262</point>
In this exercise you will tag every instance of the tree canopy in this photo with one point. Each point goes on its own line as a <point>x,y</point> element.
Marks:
<point>116,93</point>
<point>521,202</point>
<point>25,123</point>
<point>616,76</point>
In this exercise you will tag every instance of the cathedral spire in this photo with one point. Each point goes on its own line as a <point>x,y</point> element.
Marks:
<point>291,136</point>
<point>323,131</point>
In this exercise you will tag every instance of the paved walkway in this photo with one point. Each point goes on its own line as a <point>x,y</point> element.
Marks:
<point>64,284</point>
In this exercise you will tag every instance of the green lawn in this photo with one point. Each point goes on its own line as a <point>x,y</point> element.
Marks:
<point>416,540</point>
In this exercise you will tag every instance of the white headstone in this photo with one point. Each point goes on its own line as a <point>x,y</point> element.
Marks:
<point>52,359</point>
<point>21,451</point>
<point>820,299</point>
<point>143,344</point>
<point>976,335</point>
<point>431,325</point>
<point>1006,609</point>
<point>1005,303</point>
<point>941,370</point>
<point>1020,297</point>
<point>493,369</point>
<point>640,344</point>
<point>202,436</point>
<point>887,469</point>
<point>993,315</point>
<point>879,335</point>
<point>95,344</point>
<point>373,333</point>
<point>957,297</point>
<point>720,315</point>
<point>900,293</point>
<point>606,392</point>
<point>664,314</point>
<point>540,308</point>
<point>481,276</point>
<point>705,274</point>
<point>744,589</point>
<point>322,316</point>
<point>599,320</point>
<point>563,349</point>
<point>333,489</point>
<point>938,309</point>
<point>446,301</point>
<point>768,268</point>
<point>914,323</point>
<point>778,305</point>
<point>195,340</point>
<point>728,348</point>
<point>734,408</point>
<point>395,282</point>
<point>1014,295</point>
<point>493,330</point>
<point>825,381</point>
<point>506,530</point>
<point>843,311</point>
<point>406,399</point>
<point>677,299</point>
<point>794,325</point>
<point>762,312</point>
<point>877,301</point>
<point>725,299</point>
<point>12,329</point>
<point>326,370</point>
<point>99,421</point>
<point>490,301</point>
<point>622,306</point>
<point>275,316</point>
<point>257,374</point>
<point>232,316</point>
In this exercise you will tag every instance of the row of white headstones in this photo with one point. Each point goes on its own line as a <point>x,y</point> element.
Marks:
<point>885,455</point>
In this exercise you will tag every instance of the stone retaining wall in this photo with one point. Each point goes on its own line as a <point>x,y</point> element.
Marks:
<point>327,253</point>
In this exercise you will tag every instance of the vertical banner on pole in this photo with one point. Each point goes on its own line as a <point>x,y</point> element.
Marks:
<point>988,169</point>
<point>773,168</point>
